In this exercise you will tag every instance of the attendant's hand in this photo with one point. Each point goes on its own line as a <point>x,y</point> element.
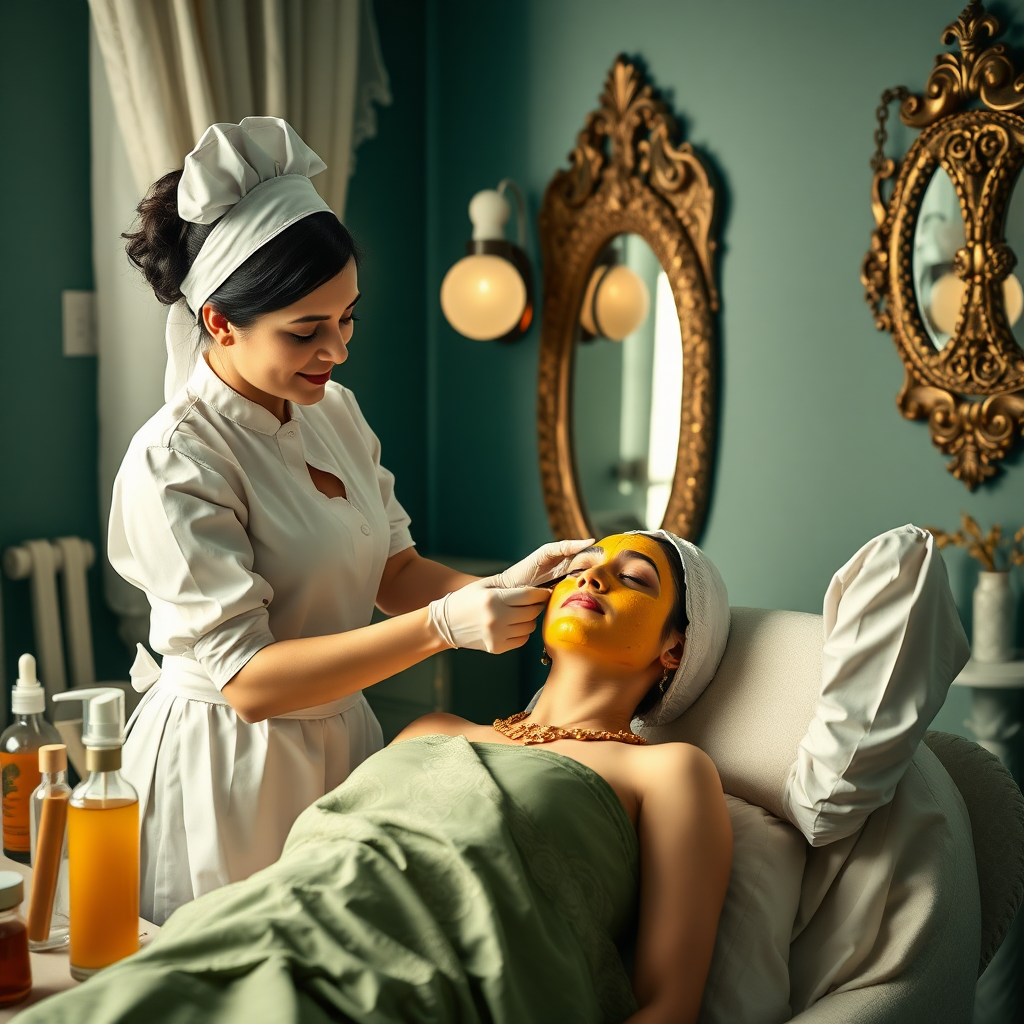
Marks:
<point>544,564</point>
<point>486,617</point>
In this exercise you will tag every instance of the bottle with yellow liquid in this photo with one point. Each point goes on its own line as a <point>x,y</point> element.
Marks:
<point>19,757</point>
<point>103,841</point>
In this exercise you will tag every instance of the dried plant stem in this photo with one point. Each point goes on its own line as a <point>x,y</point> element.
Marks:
<point>982,547</point>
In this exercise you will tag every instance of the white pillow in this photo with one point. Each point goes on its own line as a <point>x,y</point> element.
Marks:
<point>749,978</point>
<point>751,717</point>
<point>893,644</point>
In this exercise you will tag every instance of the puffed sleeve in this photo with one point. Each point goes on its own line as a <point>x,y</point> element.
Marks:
<point>178,532</point>
<point>398,518</point>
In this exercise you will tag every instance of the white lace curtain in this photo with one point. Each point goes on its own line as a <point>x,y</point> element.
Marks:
<point>161,72</point>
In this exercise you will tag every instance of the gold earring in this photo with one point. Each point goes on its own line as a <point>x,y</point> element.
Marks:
<point>663,685</point>
<point>545,658</point>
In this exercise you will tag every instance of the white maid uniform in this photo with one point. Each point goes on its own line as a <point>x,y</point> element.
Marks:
<point>216,518</point>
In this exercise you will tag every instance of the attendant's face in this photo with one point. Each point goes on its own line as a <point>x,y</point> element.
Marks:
<point>614,603</point>
<point>287,354</point>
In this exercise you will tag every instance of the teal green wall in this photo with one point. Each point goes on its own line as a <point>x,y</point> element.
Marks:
<point>813,457</point>
<point>385,213</point>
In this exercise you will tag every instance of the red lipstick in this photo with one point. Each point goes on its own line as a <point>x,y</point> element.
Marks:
<point>317,378</point>
<point>584,600</point>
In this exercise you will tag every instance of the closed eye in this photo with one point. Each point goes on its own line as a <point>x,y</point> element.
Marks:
<point>577,569</point>
<point>344,321</point>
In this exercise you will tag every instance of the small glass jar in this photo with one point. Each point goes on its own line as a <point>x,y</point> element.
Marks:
<point>15,967</point>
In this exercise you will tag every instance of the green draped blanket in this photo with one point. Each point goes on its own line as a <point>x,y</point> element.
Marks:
<point>444,881</point>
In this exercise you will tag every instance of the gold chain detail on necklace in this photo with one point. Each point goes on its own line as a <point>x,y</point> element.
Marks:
<point>515,729</point>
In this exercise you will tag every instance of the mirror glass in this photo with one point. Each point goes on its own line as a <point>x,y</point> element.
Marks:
<point>938,236</point>
<point>1013,293</point>
<point>627,393</point>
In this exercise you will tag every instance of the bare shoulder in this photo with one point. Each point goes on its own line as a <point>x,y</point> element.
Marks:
<point>440,723</point>
<point>663,768</point>
<point>682,801</point>
<point>684,756</point>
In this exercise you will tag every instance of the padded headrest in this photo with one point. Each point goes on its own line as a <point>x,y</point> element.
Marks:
<point>754,713</point>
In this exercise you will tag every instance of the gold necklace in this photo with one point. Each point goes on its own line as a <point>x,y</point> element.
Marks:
<point>533,733</point>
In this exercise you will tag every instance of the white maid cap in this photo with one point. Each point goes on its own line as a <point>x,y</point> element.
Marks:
<point>254,178</point>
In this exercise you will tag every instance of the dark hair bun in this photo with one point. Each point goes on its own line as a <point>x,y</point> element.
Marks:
<point>164,245</point>
<point>291,265</point>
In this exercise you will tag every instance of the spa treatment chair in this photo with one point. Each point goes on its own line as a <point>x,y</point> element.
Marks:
<point>893,923</point>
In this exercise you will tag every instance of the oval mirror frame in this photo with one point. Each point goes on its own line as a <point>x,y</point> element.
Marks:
<point>628,174</point>
<point>970,390</point>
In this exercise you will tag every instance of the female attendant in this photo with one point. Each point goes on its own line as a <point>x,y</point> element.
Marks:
<point>254,512</point>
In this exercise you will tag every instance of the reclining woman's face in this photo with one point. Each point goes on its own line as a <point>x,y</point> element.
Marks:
<point>614,603</point>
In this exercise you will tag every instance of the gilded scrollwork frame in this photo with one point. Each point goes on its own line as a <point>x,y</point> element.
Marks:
<point>971,391</point>
<point>628,174</point>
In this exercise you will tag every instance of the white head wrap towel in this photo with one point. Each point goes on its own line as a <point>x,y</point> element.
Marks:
<point>254,178</point>
<point>707,609</point>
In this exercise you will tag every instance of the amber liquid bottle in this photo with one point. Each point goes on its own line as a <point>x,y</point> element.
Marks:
<point>103,842</point>
<point>19,757</point>
<point>103,877</point>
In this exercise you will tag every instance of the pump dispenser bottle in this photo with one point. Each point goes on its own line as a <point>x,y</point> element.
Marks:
<point>103,841</point>
<point>19,757</point>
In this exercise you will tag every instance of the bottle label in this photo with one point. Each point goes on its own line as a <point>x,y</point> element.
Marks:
<point>21,776</point>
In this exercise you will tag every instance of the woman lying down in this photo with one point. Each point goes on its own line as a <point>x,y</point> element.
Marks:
<point>476,873</point>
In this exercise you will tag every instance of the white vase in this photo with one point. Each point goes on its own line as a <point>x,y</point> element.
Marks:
<point>993,618</point>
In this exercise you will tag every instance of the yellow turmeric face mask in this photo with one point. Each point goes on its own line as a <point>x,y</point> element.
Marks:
<point>614,603</point>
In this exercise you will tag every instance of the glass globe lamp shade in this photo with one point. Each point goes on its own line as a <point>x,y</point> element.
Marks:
<point>948,295</point>
<point>615,304</point>
<point>488,294</point>
<point>483,297</point>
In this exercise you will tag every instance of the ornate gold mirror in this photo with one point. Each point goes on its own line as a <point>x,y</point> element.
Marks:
<point>627,426</point>
<point>940,274</point>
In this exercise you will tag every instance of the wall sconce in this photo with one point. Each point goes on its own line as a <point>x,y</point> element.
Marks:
<point>616,301</point>
<point>488,294</point>
<point>948,295</point>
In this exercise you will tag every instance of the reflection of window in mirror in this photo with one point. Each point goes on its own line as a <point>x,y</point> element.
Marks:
<point>939,234</point>
<point>666,402</point>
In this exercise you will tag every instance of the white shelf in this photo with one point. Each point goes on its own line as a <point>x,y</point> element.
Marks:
<point>1002,675</point>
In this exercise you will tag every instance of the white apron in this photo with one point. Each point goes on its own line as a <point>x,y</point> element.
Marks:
<point>215,516</point>
<point>217,795</point>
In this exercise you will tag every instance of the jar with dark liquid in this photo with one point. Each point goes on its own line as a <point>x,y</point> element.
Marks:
<point>15,968</point>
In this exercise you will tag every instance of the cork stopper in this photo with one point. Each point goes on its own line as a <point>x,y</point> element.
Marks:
<point>53,757</point>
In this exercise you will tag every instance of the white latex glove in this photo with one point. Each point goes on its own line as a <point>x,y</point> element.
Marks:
<point>544,564</point>
<point>486,617</point>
